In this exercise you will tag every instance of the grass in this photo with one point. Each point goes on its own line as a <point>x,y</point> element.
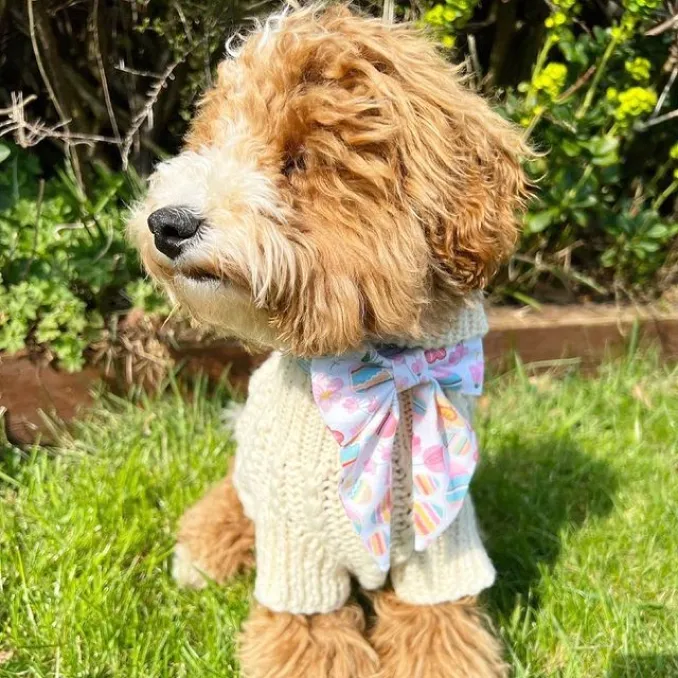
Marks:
<point>578,494</point>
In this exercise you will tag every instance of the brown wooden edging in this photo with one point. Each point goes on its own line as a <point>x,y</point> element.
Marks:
<point>542,338</point>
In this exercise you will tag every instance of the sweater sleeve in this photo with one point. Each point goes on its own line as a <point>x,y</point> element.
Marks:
<point>454,566</point>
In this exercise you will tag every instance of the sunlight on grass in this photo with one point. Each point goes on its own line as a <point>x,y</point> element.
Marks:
<point>577,493</point>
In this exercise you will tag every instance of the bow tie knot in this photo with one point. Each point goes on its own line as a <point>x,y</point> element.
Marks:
<point>385,365</point>
<point>357,394</point>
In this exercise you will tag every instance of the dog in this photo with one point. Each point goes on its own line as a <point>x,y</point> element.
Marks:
<point>342,199</point>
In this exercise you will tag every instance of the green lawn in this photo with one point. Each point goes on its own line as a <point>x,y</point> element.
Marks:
<point>578,494</point>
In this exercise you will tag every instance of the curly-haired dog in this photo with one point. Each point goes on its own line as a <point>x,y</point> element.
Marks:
<point>341,199</point>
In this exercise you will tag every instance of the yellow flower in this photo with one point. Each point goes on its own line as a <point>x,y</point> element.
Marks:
<point>612,94</point>
<point>635,102</point>
<point>642,8</point>
<point>673,153</point>
<point>551,80</point>
<point>556,20</point>
<point>638,69</point>
<point>625,29</point>
<point>565,4</point>
<point>434,16</point>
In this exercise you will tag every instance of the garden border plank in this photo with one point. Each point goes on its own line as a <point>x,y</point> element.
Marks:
<point>543,338</point>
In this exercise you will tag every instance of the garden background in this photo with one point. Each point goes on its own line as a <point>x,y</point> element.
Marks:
<point>577,489</point>
<point>105,89</point>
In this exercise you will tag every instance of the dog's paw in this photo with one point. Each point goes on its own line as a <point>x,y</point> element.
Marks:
<point>215,540</point>
<point>185,572</point>
<point>282,645</point>
<point>451,640</point>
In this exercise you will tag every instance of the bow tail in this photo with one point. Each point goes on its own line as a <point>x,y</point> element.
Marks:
<point>365,488</point>
<point>444,456</point>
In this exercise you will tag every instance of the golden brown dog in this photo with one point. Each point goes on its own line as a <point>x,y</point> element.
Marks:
<point>338,185</point>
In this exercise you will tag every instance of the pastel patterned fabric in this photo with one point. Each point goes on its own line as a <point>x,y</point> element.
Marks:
<point>357,394</point>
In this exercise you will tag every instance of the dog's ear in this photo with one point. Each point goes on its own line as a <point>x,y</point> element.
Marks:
<point>469,187</point>
<point>459,162</point>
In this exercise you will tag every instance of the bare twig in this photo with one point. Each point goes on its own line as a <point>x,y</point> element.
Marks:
<point>473,52</point>
<point>671,22</point>
<point>388,11</point>
<point>22,103</point>
<point>182,18</point>
<point>580,82</point>
<point>102,71</point>
<point>38,59</point>
<point>50,89</point>
<point>29,133</point>
<point>657,121</point>
<point>665,92</point>
<point>147,111</point>
<point>133,71</point>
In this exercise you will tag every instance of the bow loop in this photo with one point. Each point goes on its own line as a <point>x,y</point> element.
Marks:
<point>357,394</point>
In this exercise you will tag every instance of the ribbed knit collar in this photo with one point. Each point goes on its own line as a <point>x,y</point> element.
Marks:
<point>468,321</point>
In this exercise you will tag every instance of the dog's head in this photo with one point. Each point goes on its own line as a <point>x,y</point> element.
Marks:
<point>338,184</point>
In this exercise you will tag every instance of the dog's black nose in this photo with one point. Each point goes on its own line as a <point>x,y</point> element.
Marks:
<point>172,228</point>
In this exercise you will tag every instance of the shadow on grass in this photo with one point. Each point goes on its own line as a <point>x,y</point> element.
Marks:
<point>526,495</point>
<point>644,666</point>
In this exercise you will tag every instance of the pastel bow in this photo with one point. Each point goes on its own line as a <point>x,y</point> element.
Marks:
<point>357,394</point>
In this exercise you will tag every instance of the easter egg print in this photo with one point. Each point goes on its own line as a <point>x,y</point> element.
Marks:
<point>434,458</point>
<point>361,492</point>
<point>388,426</point>
<point>377,544</point>
<point>349,454</point>
<point>425,484</point>
<point>457,489</point>
<point>427,517</point>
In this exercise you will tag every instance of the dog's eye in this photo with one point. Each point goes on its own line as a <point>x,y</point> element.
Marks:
<point>293,163</point>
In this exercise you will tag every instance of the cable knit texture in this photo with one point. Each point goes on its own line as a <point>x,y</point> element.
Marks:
<point>287,474</point>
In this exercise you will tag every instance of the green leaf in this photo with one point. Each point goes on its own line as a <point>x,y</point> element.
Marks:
<point>536,222</point>
<point>658,231</point>
<point>4,152</point>
<point>605,150</point>
<point>586,202</point>
<point>581,217</point>
<point>571,148</point>
<point>603,145</point>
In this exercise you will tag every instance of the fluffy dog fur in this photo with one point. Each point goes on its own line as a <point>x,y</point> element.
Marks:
<point>215,538</point>
<point>451,640</point>
<point>325,645</point>
<point>352,189</point>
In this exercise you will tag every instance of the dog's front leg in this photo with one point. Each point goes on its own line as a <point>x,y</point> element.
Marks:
<point>431,625</point>
<point>216,539</point>
<point>283,645</point>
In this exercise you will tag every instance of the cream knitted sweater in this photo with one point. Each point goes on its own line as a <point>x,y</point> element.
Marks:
<point>287,474</point>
